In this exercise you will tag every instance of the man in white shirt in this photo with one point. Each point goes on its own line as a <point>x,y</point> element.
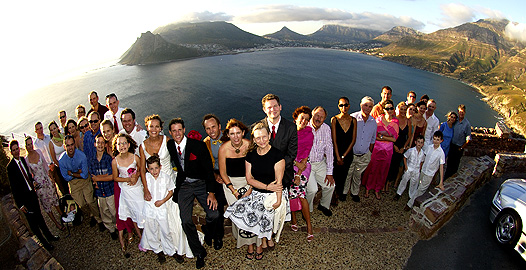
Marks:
<point>42,142</point>
<point>129,127</point>
<point>433,124</point>
<point>321,159</point>
<point>114,112</point>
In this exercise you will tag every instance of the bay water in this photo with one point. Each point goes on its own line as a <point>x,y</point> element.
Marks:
<point>231,86</point>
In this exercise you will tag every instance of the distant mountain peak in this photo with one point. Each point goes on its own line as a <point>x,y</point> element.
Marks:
<point>396,33</point>
<point>286,34</point>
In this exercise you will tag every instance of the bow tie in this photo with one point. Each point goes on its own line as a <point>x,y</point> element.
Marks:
<point>215,142</point>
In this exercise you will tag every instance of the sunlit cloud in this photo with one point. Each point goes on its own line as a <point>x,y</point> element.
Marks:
<point>454,14</point>
<point>291,13</point>
<point>205,16</point>
<point>516,31</point>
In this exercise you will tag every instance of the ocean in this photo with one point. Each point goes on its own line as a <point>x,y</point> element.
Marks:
<point>231,86</point>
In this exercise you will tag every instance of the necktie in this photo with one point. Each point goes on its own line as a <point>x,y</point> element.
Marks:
<point>179,150</point>
<point>25,174</point>
<point>115,125</point>
<point>273,132</point>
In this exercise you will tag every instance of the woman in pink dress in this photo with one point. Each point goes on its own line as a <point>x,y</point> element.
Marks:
<point>302,167</point>
<point>386,134</point>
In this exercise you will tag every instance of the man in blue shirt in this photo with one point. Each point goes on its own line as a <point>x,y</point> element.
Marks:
<point>461,138</point>
<point>89,137</point>
<point>101,174</point>
<point>74,168</point>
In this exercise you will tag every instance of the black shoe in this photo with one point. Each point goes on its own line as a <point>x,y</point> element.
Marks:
<point>396,197</point>
<point>355,198</point>
<point>92,222</point>
<point>218,244</point>
<point>178,258</point>
<point>161,258</point>
<point>342,197</point>
<point>48,246</point>
<point>324,210</point>
<point>53,238</point>
<point>114,235</point>
<point>101,227</point>
<point>200,263</point>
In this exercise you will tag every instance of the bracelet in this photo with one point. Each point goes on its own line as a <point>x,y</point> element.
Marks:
<point>343,156</point>
<point>235,191</point>
<point>229,184</point>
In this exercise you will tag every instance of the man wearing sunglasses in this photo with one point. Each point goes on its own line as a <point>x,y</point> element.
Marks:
<point>89,138</point>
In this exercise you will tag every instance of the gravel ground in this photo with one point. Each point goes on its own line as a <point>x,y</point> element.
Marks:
<point>370,234</point>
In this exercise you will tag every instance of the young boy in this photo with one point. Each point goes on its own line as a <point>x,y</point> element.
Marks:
<point>102,176</point>
<point>156,235</point>
<point>413,160</point>
<point>433,162</point>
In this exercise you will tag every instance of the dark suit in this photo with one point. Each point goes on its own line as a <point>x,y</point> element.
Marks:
<point>287,142</point>
<point>28,198</point>
<point>197,165</point>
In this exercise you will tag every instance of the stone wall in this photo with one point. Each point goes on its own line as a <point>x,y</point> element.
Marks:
<point>509,162</point>
<point>29,252</point>
<point>433,209</point>
<point>487,141</point>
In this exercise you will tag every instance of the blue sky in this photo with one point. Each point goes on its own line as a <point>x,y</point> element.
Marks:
<point>49,41</point>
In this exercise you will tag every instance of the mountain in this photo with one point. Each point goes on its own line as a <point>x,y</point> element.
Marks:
<point>286,34</point>
<point>338,34</point>
<point>219,33</point>
<point>478,53</point>
<point>150,48</point>
<point>396,33</point>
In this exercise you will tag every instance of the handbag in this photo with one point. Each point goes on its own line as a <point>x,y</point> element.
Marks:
<point>295,204</point>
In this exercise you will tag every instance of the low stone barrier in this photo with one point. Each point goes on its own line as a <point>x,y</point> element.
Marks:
<point>509,162</point>
<point>433,209</point>
<point>30,253</point>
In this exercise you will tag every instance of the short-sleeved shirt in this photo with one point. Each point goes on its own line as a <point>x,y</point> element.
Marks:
<point>263,166</point>
<point>414,158</point>
<point>461,132</point>
<point>434,157</point>
<point>102,167</point>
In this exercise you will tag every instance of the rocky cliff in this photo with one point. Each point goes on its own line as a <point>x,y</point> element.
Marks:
<point>150,48</point>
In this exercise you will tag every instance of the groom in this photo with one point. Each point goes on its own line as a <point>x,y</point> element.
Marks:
<point>24,194</point>
<point>195,179</point>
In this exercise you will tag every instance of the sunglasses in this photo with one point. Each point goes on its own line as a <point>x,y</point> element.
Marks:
<point>389,108</point>
<point>84,126</point>
<point>62,116</point>
<point>93,121</point>
<point>343,105</point>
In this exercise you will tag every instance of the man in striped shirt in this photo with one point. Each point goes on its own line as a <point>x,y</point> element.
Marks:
<point>321,159</point>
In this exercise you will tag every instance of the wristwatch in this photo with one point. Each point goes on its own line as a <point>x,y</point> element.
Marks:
<point>381,136</point>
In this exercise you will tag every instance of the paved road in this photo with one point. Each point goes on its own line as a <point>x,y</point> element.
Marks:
<point>466,242</point>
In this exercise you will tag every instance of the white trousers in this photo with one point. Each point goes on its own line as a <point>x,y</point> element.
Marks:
<point>425,181</point>
<point>317,176</point>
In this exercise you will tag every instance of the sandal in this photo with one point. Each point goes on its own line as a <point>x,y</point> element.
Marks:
<point>249,255</point>
<point>310,237</point>
<point>259,256</point>
<point>294,227</point>
<point>125,252</point>
<point>130,239</point>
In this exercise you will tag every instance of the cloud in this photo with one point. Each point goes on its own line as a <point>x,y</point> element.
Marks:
<point>205,16</point>
<point>516,31</point>
<point>455,14</point>
<point>291,13</point>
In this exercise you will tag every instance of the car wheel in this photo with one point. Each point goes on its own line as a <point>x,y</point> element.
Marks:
<point>508,228</point>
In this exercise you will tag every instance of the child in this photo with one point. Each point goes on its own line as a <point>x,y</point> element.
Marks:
<point>433,162</point>
<point>72,208</point>
<point>101,173</point>
<point>156,235</point>
<point>131,181</point>
<point>413,160</point>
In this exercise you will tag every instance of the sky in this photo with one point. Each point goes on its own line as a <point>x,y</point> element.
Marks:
<point>49,41</point>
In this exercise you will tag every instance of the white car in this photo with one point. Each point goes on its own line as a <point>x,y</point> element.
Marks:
<point>508,213</point>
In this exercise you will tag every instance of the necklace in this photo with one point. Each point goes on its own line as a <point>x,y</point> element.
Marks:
<point>237,149</point>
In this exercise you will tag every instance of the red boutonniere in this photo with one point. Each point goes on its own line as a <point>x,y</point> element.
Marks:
<point>192,157</point>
